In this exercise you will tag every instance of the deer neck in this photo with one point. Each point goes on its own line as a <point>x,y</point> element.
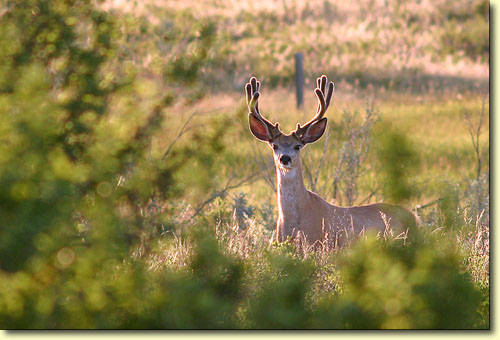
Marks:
<point>292,194</point>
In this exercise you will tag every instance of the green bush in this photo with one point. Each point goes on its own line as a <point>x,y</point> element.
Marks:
<point>68,229</point>
<point>397,163</point>
<point>470,38</point>
<point>391,286</point>
<point>90,290</point>
<point>280,303</point>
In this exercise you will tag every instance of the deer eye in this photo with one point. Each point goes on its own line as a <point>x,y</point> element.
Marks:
<point>297,147</point>
<point>275,147</point>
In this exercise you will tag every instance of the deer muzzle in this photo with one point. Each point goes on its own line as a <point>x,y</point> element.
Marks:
<point>285,159</point>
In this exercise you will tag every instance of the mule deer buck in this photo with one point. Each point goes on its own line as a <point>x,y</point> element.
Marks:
<point>300,210</point>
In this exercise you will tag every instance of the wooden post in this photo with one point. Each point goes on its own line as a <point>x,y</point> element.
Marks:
<point>299,78</point>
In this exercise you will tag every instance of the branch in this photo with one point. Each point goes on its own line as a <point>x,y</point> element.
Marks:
<point>322,160</point>
<point>222,193</point>
<point>184,128</point>
<point>370,195</point>
<point>262,163</point>
<point>475,134</point>
<point>421,206</point>
<point>308,173</point>
<point>179,135</point>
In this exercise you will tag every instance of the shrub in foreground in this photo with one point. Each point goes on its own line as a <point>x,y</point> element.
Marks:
<point>388,285</point>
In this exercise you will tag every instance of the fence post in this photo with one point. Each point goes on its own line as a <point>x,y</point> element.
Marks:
<point>299,78</point>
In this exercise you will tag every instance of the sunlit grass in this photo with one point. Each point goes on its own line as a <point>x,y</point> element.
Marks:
<point>429,41</point>
<point>435,126</point>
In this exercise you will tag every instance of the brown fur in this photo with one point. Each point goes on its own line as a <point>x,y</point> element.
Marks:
<point>300,210</point>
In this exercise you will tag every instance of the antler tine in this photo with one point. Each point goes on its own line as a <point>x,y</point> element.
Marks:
<point>323,102</point>
<point>256,88</point>
<point>331,88</point>
<point>324,98</point>
<point>323,83</point>
<point>252,94</point>
<point>248,91</point>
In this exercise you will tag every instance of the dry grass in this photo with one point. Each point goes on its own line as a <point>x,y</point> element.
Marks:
<point>351,40</point>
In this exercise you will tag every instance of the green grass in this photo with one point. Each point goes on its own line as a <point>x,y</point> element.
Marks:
<point>436,129</point>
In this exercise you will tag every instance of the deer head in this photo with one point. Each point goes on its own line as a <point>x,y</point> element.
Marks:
<point>286,148</point>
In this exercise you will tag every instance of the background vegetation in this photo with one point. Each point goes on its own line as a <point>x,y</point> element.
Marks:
<point>132,194</point>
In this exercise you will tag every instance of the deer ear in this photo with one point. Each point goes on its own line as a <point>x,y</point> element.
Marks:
<point>314,132</point>
<point>258,128</point>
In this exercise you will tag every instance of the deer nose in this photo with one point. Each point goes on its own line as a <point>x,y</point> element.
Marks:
<point>285,159</point>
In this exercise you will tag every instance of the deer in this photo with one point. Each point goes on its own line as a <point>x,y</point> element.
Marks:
<point>302,212</point>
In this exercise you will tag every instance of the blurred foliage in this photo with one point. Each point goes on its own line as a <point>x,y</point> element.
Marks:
<point>63,147</point>
<point>281,301</point>
<point>48,136</point>
<point>466,30</point>
<point>75,179</point>
<point>90,293</point>
<point>192,51</point>
<point>449,205</point>
<point>88,193</point>
<point>72,41</point>
<point>398,161</point>
<point>391,286</point>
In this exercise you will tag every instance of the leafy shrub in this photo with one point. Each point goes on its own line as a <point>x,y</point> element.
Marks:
<point>470,38</point>
<point>466,30</point>
<point>91,290</point>
<point>191,44</point>
<point>280,303</point>
<point>388,285</point>
<point>76,179</point>
<point>398,162</point>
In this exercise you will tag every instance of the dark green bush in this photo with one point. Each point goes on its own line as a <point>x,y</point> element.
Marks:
<point>470,38</point>
<point>466,30</point>
<point>398,162</point>
<point>388,285</point>
<point>280,303</point>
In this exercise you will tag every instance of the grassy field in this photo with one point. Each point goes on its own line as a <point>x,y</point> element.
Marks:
<point>136,197</point>
<point>422,88</point>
